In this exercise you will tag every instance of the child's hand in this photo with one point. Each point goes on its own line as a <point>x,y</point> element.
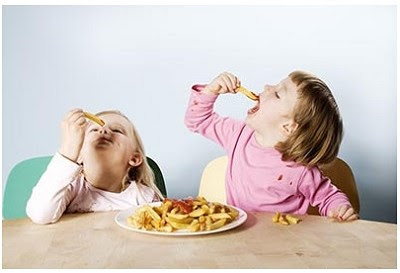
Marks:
<point>73,129</point>
<point>343,213</point>
<point>224,83</point>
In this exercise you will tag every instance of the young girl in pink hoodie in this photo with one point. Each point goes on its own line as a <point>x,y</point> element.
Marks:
<point>273,154</point>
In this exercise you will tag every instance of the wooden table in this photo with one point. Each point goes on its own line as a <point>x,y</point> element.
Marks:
<point>94,240</point>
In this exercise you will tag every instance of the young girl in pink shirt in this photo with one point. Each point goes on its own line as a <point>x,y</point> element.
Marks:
<point>273,154</point>
<point>97,168</point>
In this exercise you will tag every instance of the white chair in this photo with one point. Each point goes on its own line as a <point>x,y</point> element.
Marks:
<point>212,183</point>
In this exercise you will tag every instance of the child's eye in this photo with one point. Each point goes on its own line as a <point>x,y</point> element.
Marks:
<point>93,130</point>
<point>117,131</point>
<point>277,95</point>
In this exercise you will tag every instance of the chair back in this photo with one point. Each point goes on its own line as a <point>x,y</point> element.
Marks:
<point>341,175</point>
<point>25,175</point>
<point>212,183</point>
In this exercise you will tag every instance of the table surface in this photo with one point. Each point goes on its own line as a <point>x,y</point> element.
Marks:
<point>94,240</point>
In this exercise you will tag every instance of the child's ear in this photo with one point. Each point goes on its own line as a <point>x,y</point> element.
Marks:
<point>136,160</point>
<point>289,127</point>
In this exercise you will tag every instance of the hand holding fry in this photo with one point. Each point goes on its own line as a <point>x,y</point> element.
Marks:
<point>224,83</point>
<point>73,129</point>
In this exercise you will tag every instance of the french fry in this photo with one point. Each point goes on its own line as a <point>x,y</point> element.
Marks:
<point>208,221</point>
<point>159,210</point>
<point>197,212</point>
<point>206,208</point>
<point>217,224</point>
<point>152,213</point>
<point>233,213</point>
<point>247,93</point>
<point>156,224</point>
<point>198,203</point>
<point>283,221</point>
<point>275,219</point>
<point>94,118</point>
<point>202,200</point>
<point>292,219</point>
<point>175,210</point>
<point>211,210</point>
<point>176,225</point>
<point>188,220</point>
<point>177,216</point>
<point>222,215</point>
<point>195,227</point>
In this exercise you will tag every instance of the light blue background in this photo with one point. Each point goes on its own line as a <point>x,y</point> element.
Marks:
<point>143,60</point>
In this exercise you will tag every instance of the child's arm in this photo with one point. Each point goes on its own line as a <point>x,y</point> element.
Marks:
<point>52,194</point>
<point>201,118</point>
<point>319,190</point>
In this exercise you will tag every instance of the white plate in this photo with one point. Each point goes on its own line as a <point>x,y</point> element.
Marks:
<point>121,220</point>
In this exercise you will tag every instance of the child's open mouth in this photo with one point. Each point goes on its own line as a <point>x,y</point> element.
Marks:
<point>104,140</point>
<point>254,109</point>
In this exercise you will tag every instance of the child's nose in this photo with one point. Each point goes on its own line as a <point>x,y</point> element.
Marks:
<point>104,130</point>
<point>267,87</point>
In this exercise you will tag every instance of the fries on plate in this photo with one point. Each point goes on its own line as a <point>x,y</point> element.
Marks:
<point>187,214</point>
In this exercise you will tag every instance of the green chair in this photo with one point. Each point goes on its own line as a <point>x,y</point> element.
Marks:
<point>24,176</point>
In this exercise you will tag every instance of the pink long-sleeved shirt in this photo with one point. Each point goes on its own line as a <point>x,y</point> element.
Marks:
<point>62,188</point>
<point>256,178</point>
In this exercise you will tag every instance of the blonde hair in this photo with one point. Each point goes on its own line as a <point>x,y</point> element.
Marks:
<point>143,173</point>
<point>320,129</point>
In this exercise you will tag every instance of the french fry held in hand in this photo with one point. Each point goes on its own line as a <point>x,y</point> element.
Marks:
<point>247,93</point>
<point>188,214</point>
<point>94,118</point>
<point>285,219</point>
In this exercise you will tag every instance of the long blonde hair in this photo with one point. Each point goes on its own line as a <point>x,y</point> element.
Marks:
<point>320,129</point>
<point>143,173</point>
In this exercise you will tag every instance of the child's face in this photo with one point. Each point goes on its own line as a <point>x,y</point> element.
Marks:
<point>274,108</point>
<point>114,142</point>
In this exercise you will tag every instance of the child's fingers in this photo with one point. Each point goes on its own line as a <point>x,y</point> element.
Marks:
<point>332,214</point>
<point>238,83</point>
<point>233,82</point>
<point>77,116</point>
<point>81,121</point>
<point>226,84</point>
<point>73,112</point>
<point>341,212</point>
<point>353,217</point>
<point>349,212</point>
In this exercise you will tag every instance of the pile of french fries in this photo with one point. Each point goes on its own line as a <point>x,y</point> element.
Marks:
<point>285,219</point>
<point>188,214</point>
